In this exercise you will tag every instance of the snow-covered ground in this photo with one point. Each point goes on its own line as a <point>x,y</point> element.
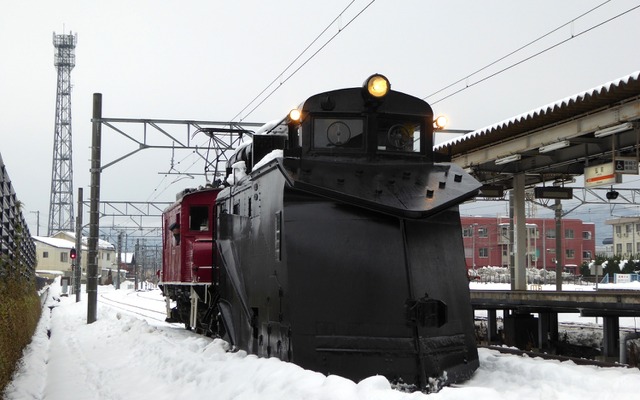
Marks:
<point>131,353</point>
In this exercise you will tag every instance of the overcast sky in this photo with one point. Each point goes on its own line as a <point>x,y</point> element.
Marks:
<point>206,60</point>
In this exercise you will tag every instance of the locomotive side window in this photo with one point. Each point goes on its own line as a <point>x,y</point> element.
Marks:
<point>397,135</point>
<point>199,218</point>
<point>331,133</point>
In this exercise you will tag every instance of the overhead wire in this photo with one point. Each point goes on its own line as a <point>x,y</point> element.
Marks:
<point>514,51</point>
<point>285,70</point>
<point>295,59</point>
<point>438,91</point>
<point>573,36</point>
<point>305,62</point>
<point>155,190</point>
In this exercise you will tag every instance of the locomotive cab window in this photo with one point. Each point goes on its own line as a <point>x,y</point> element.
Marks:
<point>399,135</point>
<point>344,133</point>
<point>199,218</point>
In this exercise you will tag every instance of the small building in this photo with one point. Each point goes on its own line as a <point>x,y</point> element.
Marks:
<point>626,236</point>
<point>487,242</point>
<point>52,254</point>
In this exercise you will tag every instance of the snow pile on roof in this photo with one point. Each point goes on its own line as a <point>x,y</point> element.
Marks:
<point>543,110</point>
<point>271,156</point>
<point>55,242</point>
<point>68,240</point>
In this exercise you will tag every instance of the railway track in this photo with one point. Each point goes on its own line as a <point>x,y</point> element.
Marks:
<point>546,356</point>
<point>134,309</point>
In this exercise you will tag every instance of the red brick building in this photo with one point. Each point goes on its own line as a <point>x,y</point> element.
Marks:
<point>487,242</point>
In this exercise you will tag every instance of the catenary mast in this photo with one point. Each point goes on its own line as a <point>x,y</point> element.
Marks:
<point>61,200</point>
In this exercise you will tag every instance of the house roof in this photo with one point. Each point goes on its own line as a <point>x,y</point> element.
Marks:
<point>66,240</point>
<point>71,236</point>
<point>55,242</point>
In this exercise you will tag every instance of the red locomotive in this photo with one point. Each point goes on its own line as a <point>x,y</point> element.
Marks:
<point>188,251</point>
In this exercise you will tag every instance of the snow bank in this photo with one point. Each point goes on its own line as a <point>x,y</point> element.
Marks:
<point>134,354</point>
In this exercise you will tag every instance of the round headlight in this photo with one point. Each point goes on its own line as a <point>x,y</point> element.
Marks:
<point>377,86</point>
<point>440,122</point>
<point>294,115</point>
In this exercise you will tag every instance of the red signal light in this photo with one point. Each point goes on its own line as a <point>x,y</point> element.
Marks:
<point>72,253</point>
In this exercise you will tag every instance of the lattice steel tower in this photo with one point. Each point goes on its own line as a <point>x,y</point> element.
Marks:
<point>61,201</point>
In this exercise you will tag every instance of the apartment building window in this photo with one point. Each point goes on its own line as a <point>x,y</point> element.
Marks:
<point>568,234</point>
<point>619,248</point>
<point>570,253</point>
<point>467,232</point>
<point>483,252</point>
<point>628,228</point>
<point>551,234</point>
<point>45,254</point>
<point>483,232</point>
<point>629,248</point>
<point>64,256</point>
<point>637,247</point>
<point>586,255</point>
<point>618,229</point>
<point>586,235</point>
<point>637,227</point>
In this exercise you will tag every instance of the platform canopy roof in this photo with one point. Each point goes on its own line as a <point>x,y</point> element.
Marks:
<point>555,142</point>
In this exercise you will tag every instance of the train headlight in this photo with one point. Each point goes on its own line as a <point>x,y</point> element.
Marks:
<point>377,86</point>
<point>295,115</point>
<point>440,122</point>
<point>294,120</point>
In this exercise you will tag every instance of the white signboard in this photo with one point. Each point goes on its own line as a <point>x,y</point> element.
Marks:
<point>626,165</point>
<point>622,278</point>
<point>600,175</point>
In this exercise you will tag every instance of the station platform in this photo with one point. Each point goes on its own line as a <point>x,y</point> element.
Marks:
<point>522,329</point>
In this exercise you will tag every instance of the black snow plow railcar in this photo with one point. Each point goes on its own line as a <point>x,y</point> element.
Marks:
<point>338,244</point>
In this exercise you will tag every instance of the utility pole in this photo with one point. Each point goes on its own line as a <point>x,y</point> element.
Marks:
<point>559,266</point>
<point>156,269</point>
<point>135,265</point>
<point>37,213</point>
<point>119,260</point>
<point>78,267</point>
<point>94,212</point>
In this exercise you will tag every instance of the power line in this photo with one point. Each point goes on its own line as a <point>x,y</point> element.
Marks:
<point>514,52</point>
<point>168,185</point>
<point>530,57</point>
<point>282,73</point>
<point>305,62</point>
<point>294,60</point>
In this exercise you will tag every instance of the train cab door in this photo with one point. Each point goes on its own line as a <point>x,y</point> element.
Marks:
<point>201,249</point>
